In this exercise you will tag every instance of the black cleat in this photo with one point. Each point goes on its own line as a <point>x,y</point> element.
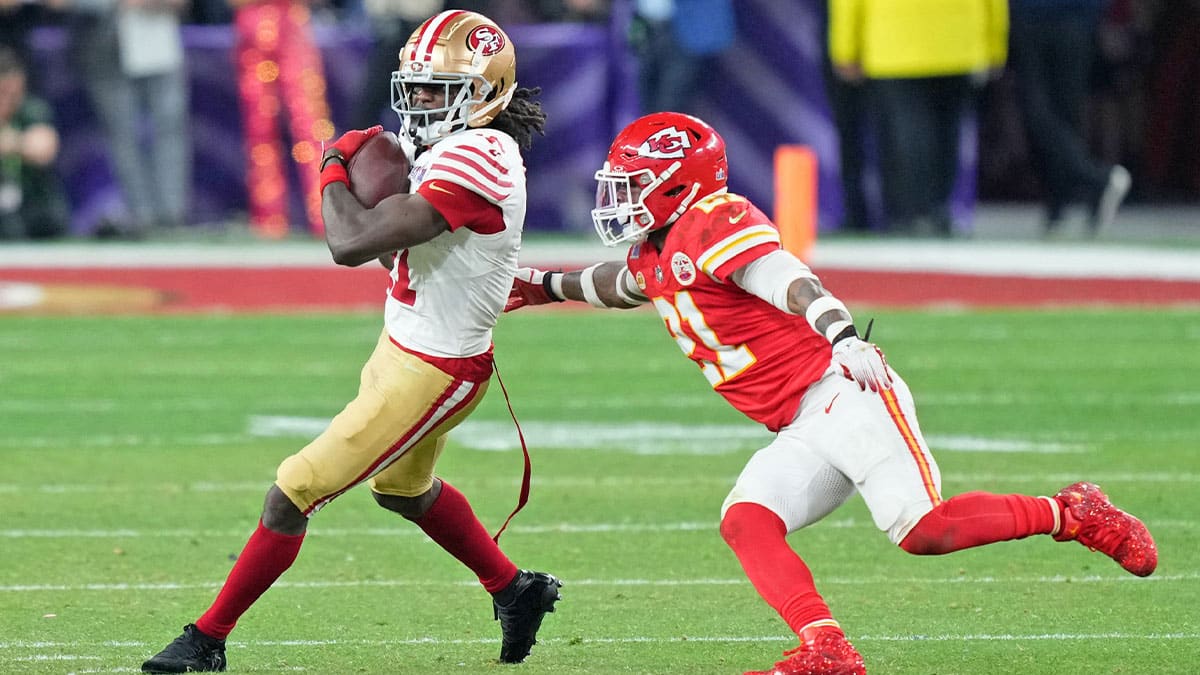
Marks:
<point>526,600</point>
<point>192,652</point>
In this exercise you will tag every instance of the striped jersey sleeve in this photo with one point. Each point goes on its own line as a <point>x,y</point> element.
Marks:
<point>481,162</point>
<point>737,234</point>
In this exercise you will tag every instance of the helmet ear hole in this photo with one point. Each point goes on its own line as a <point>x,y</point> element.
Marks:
<point>675,191</point>
<point>495,91</point>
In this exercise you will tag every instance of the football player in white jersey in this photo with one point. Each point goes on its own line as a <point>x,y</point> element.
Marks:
<point>451,244</point>
<point>785,352</point>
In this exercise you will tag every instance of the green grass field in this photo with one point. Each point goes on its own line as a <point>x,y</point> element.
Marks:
<point>137,451</point>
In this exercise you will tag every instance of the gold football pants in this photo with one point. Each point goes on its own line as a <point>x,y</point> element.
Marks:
<point>391,433</point>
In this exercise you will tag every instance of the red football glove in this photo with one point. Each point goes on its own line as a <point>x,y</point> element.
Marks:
<point>337,156</point>
<point>352,140</point>
<point>531,287</point>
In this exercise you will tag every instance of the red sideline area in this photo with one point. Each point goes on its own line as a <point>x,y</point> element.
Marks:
<point>302,288</point>
<point>924,289</point>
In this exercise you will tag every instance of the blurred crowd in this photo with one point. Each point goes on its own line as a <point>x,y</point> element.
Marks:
<point>131,59</point>
<point>1078,102</point>
<point>1136,93</point>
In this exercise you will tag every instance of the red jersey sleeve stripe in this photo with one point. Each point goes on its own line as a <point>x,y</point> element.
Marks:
<point>450,158</point>
<point>445,170</point>
<point>486,156</point>
<point>471,182</point>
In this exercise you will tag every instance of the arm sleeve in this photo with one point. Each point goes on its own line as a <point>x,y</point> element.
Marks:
<point>770,276</point>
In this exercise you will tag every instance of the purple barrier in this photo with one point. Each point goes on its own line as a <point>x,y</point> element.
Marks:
<point>575,91</point>
<point>766,91</point>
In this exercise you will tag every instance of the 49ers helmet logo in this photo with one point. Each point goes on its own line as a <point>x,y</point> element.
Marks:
<point>666,143</point>
<point>485,40</point>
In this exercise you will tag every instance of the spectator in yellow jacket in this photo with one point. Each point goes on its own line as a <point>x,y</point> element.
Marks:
<point>922,61</point>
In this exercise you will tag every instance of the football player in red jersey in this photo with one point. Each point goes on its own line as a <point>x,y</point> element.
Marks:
<point>451,244</point>
<point>785,352</point>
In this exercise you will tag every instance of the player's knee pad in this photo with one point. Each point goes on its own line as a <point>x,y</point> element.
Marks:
<point>297,479</point>
<point>799,496</point>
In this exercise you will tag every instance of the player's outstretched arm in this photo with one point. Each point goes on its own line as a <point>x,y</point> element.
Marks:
<point>607,284</point>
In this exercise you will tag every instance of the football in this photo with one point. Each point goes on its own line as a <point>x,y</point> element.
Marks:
<point>379,169</point>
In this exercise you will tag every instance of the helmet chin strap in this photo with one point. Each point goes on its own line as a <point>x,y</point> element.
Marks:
<point>492,109</point>
<point>662,177</point>
<point>683,205</point>
<point>426,131</point>
<point>432,131</point>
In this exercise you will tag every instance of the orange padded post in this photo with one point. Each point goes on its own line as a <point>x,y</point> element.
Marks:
<point>796,198</point>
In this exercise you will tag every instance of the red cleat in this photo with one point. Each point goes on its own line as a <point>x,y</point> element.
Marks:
<point>1089,518</point>
<point>829,653</point>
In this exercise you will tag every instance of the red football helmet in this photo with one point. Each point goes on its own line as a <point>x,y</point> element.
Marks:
<point>656,168</point>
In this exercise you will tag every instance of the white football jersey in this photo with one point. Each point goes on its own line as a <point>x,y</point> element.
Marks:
<point>447,293</point>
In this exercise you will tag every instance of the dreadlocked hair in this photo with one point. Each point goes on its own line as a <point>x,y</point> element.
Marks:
<point>522,117</point>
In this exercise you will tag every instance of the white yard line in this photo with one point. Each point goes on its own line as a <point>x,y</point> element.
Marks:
<point>638,438</point>
<point>636,639</point>
<point>553,528</point>
<point>433,642</point>
<point>576,482</point>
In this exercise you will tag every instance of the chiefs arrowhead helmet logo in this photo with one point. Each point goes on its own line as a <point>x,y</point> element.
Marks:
<point>668,143</point>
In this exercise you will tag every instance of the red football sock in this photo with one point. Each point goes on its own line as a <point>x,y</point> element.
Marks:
<point>267,555</point>
<point>758,539</point>
<point>452,524</point>
<point>977,518</point>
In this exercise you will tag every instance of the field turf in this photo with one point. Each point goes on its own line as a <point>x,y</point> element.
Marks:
<point>137,451</point>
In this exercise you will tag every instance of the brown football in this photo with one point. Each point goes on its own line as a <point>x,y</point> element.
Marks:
<point>379,169</point>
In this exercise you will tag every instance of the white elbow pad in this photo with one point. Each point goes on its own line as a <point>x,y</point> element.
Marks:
<point>587,283</point>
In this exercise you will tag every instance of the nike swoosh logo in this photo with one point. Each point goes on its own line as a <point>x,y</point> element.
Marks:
<point>830,406</point>
<point>733,220</point>
<point>439,188</point>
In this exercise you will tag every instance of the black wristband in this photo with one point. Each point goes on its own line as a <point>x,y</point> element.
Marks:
<point>546,287</point>
<point>334,154</point>
<point>847,332</point>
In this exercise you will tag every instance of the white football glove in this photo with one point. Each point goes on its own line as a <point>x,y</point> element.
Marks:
<point>862,362</point>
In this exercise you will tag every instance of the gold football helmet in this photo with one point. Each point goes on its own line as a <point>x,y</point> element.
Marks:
<point>464,56</point>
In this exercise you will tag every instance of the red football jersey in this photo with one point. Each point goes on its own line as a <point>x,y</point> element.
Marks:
<point>759,358</point>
